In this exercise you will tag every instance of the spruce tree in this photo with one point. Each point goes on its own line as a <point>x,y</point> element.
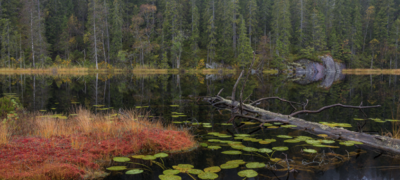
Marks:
<point>244,49</point>
<point>116,28</point>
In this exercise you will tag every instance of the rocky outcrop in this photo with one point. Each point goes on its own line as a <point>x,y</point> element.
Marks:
<point>307,71</point>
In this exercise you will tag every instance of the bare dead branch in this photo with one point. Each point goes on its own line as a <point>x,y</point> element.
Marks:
<point>331,106</point>
<point>234,87</point>
<point>283,100</point>
<point>245,81</point>
<point>258,119</point>
<point>220,91</point>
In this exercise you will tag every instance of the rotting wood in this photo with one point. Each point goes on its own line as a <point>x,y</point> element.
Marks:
<point>378,143</point>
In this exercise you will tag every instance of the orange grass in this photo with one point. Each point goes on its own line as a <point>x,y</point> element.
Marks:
<point>3,134</point>
<point>51,148</point>
<point>371,71</point>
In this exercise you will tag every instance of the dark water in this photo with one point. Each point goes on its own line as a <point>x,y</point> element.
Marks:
<point>160,91</point>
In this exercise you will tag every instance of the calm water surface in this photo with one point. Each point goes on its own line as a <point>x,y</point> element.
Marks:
<point>62,93</point>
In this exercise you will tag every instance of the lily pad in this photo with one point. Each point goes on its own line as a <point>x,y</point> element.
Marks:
<point>213,169</point>
<point>214,140</point>
<point>242,135</point>
<point>264,142</point>
<point>354,142</point>
<point>171,172</point>
<point>265,150</point>
<point>273,127</point>
<point>303,138</point>
<point>239,161</point>
<point>203,144</point>
<point>121,159</point>
<point>292,141</point>
<point>328,141</point>
<point>226,124</point>
<point>214,147</point>
<point>282,148</point>
<point>248,173</point>
<point>169,177</point>
<point>138,156</point>
<point>134,171</point>
<point>288,126</point>
<point>195,171</point>
<point>253,165</point>
<point>116,168</point>
<point>149,157</point>
<point>320,145</point>
<point>225,136</point>
<point>275,159</point>
<point>310,150</point>
<point>208,175</point>
<point>232,152</point>
<point>238,146</point>
<point>229,166</point>
<point>346,143</point>
<point>322,135</point>
<point>311,141</point>
<point>359,119</point>
<point>161,155</point>
<point>250,149</point>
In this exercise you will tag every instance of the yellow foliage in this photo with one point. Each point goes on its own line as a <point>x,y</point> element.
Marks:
<point>201,64</point>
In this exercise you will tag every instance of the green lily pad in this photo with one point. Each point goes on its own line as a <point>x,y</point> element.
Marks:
<point>213,169</point>
<point>207,126</point>
<point>250,149</point>
<point>282,148</point>
<point>278,123</point>
<point>265,150</point>
<point>253,165</point>
<point>354,142</point>
<point>267,124</point>
<point>149,157</point>
<point>359,119</point>
<point>310,150</point>
<point>264,142</point>
<point>208,175</point>
<point>310,141</point>
<point>239,161</point>
<point>346,143</point>
<point>242,135</point>
<point>273,127</point>
<point>138,156</point>
<point>343,125</point>
<point>169,177</point>
<point>171,172</point>
<point>238,146</point>
<point>248,173</point>
<point>225,136</point>
<point>292,141</point>
<point>303,138</point>
<point>328,141</point>
<point>229,166</point>
<point>203,144</point>
<point>116,168</point>
<point>319,145</point>
<point>288,126</point>
<point>214,140</point>
<point>134,171</point>
<point>121,159</point>
<point>195,171</point>
<point>177,122</point>
<point>232,152</point>
<point>161,155</point>
<point>214,147</point>
<point>226,124</point>
<point>226,142</point>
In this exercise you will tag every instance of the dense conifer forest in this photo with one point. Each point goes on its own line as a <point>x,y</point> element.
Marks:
<point>191,33</point>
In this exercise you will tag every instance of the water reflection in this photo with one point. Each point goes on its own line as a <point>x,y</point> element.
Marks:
<point>38,92</point>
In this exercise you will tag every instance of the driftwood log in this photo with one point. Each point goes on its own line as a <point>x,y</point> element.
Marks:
<point>381,144</point>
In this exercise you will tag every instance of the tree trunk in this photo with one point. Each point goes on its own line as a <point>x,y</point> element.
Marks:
<point>94,33</point>
<point>33,49</point>
<point>382,144</point>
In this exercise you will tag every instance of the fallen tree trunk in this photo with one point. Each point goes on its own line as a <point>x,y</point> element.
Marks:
<point>381,144</point>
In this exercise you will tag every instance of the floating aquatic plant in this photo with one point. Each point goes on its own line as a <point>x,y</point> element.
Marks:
<point>265,150</point>
<point>121,159</point>
<point>208,175</point>
<point>149,157</point>
<point>282,148</point>
<point>171,172</point>
<point>250,149</point>
<point>238,161</point>
<point>310,150</point>
<point>214,147</point>
<point>134,171</point>
<point>292,141</point>
<point>229,166</point>
<point>195,171</point>
<point>161,155</point>
<point>253,165</point>
<point>169,177</point>
<point>232,152</point>
<point>248,173</point>
<point>116,168</point>
<point>213,169</point>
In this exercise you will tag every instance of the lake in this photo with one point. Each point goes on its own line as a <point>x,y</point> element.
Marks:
<point>156,93</point>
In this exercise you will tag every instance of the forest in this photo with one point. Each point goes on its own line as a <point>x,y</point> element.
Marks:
<point>165,34</point>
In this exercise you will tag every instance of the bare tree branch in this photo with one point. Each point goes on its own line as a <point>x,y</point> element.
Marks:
<point>331,106</point>
<point>284,100</point>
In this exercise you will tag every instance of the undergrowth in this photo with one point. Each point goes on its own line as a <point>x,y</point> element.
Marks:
<point>45,147</point>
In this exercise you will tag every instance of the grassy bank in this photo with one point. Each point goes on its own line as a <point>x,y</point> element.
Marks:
<point>87,71</point>
<point>371,71</point>
<point>37,146</point>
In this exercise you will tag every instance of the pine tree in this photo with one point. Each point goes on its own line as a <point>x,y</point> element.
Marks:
<point>251,17</point>
<point>244,49</point>
<point>195,34</point>
<point>116,29</point>
<point>281,27</point>
<point>209,17</point>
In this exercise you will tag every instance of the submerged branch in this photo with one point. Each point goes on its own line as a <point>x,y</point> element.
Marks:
<point>331,106</point>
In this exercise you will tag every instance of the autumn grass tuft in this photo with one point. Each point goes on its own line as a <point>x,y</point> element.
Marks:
<point>54,146</point>
<point>3,134</point>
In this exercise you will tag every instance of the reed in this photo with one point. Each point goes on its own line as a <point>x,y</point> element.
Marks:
<point>3,134</point>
